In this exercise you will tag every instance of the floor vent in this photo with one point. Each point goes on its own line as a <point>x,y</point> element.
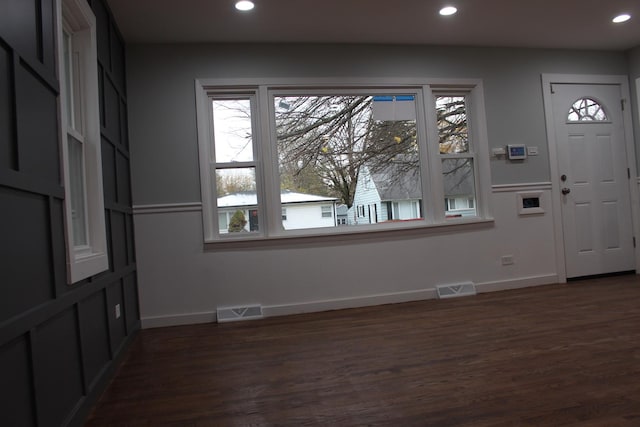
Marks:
<point>231,314</point>
<point>456,290</point>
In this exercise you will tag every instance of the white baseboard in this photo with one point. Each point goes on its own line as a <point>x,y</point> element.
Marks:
<point>338,304</point>
<point>177,320</point>
<point>342,303</point>
<point>520,283</point>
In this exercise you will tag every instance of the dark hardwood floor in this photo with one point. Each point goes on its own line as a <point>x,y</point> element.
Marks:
<point>557,355</point>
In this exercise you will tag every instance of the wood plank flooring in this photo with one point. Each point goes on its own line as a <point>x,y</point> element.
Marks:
<point>557,355</point>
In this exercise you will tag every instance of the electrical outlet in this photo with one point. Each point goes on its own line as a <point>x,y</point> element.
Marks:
<point>118,311</point>
<point>507,260</point>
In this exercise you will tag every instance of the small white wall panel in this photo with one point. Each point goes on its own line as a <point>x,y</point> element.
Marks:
<point>610,225</point>
<point>584,222</point>
<point>605,159</point>
<point>578,158</point>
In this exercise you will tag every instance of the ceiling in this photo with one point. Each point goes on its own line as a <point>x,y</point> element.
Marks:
<point>574,24</point>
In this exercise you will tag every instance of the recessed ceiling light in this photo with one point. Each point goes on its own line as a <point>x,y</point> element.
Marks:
<point>621,18</point>
<point>244,5</point>
<point>448,10</point>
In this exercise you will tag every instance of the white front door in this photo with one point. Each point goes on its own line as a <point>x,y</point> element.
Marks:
<point>594,179</point>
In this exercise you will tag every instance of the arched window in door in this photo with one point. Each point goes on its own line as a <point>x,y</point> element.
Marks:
<point>587,110</point>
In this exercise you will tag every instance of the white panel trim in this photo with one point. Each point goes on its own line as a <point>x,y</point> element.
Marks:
<point>344,303</point>
<point>197,206</point>
<point>521,195</point>
<point>531,186</point>
<point>167,208</point>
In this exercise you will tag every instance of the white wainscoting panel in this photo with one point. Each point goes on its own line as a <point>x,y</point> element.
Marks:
<point>180,283</point>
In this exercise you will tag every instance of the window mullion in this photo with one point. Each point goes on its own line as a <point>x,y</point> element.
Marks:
<point>479,144</point>
<point>433,191</point>
<point>207,162</point>
<point>271,173</point>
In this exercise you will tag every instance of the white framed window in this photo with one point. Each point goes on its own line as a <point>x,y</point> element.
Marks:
<point>271,144</point>
<point>326,211</point>
<point>80,135</point>
<point>396,210</point>
<point>460,203</point>
<point>587,110</point>
<point>455,141</point>
<point>450,204</point>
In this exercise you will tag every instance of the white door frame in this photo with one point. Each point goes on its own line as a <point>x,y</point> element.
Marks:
<point>556,200</point>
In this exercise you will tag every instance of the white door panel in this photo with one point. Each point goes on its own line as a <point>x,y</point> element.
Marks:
<point>596,209</point>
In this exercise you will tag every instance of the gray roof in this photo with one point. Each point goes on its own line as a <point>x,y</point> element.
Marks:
<point>342,210</point>
<point>397,181</point>
<point>401,181</point>
<point>459,179</point>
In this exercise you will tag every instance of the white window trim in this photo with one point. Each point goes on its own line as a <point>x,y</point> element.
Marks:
<point>84,261</point>
<point>471,111</point>
<point>267,181</point>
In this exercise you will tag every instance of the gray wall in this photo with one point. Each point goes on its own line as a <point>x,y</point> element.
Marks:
<point>58,343</point>
<point>162,100</point>
<point>634,73</point>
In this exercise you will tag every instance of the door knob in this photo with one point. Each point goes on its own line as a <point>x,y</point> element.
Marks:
<point>566,191</point>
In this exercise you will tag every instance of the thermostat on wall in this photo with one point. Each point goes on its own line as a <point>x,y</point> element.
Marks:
<point>517,151</point>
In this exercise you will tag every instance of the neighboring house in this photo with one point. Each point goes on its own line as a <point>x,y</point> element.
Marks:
<point>390,194</point>
<point>459,190</point>
<point>386,194</point>
<point>298,210</point>
<point>342,214</point>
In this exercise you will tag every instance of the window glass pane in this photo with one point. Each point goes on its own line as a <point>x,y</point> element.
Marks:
<point>415,210</point>
<point>223,221</point>
<point>237,198</point>
<point>327,211</point>
<point>73,83</point>
<point>78,107</point>
<point>452,124</point>
<point>586,110</point>
<point>77,193</point>
<point>452,204</point>
<point>352,150</point>
<point>233,134</point>
<point>459,183</point>
<point>68,78</point>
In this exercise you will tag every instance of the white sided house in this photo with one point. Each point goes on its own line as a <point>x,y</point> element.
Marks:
<point>299,210</point>
<point>378,199</point>
<point>391,194</point>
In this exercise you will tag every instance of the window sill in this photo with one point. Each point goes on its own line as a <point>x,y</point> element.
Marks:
<point>87,266</point>
<point>327,239</point>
